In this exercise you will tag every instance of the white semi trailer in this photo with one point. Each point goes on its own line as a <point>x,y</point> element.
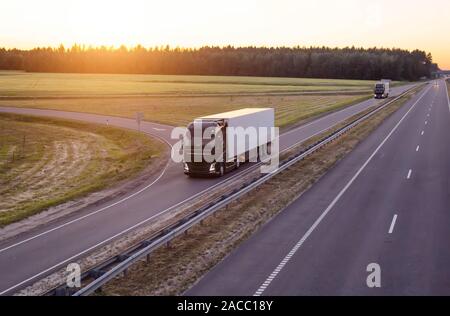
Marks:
<point>238,136</point>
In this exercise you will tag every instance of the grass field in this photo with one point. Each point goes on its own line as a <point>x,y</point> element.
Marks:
<point>45,162</point>
<point>22,84</point>
<point>179,111</point>
<point>176,100</point>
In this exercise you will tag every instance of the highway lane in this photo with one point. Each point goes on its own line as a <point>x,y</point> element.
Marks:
<point>30,256</point>
<point>386,203</point>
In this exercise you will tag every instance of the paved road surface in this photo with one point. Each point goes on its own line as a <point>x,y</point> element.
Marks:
<point>33,255</point>
<point>387,202</point>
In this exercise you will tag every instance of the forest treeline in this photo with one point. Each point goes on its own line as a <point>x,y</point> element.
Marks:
<point>312,62</point>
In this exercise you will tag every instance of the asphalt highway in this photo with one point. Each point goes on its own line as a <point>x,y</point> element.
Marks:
<point>35,254</point>
<point>378,223</point>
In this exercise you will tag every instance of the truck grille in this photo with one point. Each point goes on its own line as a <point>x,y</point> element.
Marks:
<point>201,168</point>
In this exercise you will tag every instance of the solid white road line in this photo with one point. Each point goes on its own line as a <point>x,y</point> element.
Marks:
<point>391,228</point>
<point>297,246</point>
<point>446,91</point>
<point>417,148</point>
<point>88,215</point>
<point>409,174</point>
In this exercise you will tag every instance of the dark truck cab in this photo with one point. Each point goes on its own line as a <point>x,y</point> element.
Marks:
<point>195,163</point>
<point>382,89</point>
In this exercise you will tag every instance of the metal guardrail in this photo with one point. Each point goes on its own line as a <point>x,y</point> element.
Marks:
<point>120,263</point>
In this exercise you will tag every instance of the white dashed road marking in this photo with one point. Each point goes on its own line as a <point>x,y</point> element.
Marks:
<point>297,246</point>
<point>391,229</point>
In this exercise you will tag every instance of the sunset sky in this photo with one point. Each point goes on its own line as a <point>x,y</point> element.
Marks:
<point>405,24</point>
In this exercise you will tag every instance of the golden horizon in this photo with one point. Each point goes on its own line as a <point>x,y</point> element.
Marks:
<point>27,24</point>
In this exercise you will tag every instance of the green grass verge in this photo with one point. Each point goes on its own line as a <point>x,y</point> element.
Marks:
<point>45,162</point>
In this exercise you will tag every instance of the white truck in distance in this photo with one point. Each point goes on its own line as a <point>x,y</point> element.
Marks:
<point>238,136</point>
<point>382,89</point>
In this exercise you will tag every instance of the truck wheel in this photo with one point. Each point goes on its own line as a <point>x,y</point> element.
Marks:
<point>221,170</point>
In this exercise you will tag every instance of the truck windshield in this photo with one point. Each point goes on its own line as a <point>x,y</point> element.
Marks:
<point>195,127</point>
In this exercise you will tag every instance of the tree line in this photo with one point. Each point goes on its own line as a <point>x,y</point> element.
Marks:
<point>311,62</point>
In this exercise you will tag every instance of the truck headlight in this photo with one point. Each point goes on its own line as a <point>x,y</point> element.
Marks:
<point>186,167</point>
<point>212,168</point>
